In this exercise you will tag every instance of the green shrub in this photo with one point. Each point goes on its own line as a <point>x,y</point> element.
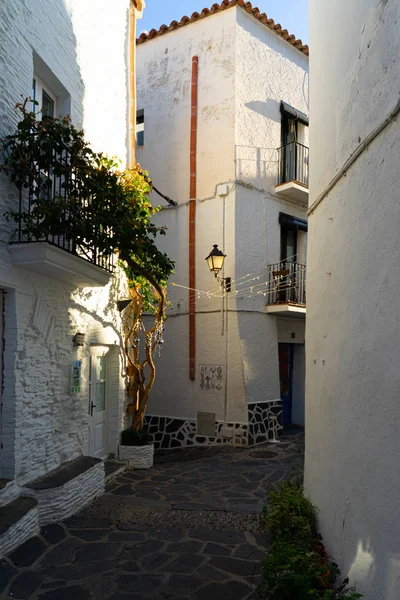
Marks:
<point>288,513</point>
<point>293,571</point>
<point>135,438</point>
<point>297,566</point>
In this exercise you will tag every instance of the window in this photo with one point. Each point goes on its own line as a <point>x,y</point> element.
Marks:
<point>44,97</point>
<point>140,127</point>
<point>293,153</point>
<point>289,236</point>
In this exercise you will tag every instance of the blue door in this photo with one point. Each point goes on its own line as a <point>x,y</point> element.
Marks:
<point>286,380</point>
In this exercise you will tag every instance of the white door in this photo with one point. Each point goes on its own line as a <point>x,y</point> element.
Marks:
<point>98,402</point>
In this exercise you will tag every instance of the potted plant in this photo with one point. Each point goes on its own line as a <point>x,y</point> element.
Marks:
<point>137,448</point>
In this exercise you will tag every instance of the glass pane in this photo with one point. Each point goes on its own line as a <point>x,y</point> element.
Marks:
<point>100,367</point>
<point>140,138</point>
<point>100,396</point>
<point>33,94</point>
<point>47,105</point>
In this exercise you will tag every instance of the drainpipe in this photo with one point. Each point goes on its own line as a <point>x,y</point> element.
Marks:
<point>192,220</point>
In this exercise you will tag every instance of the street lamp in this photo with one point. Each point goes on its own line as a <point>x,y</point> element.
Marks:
<point>215,260</point>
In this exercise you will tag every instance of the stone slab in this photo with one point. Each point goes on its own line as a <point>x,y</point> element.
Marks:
<point>64,473</point>
<point>13,512</point>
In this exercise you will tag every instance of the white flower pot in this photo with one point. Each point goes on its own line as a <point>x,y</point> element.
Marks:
<point>138,457</point>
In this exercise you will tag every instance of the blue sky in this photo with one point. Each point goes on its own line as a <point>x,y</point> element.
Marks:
<point>291,14</point>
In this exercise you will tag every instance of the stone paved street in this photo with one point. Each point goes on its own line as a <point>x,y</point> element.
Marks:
<point>188,529</point>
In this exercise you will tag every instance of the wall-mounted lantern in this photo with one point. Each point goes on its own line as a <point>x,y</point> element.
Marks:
<point>79,339</point>
<point>215,260</point>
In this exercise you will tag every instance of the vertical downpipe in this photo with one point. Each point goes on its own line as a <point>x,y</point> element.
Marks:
<point>192,219</point>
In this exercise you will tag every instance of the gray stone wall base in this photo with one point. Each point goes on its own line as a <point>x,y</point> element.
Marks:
<point>264,424</point>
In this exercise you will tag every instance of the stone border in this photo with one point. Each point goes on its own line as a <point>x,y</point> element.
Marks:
<point>265,421</point>
<point>169,432</point>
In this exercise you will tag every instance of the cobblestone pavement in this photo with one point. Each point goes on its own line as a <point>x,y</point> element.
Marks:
<point>188,529</point>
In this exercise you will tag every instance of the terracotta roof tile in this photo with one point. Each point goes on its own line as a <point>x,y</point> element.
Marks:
<point>206,12</point>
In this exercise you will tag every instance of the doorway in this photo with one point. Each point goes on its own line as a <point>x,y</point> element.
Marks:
<point>286,380</point>
<point>98,402</point>
<point>2,293</point>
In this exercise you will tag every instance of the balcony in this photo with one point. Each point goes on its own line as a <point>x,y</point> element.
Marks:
<point>293,172</point>
<point>50,205</point>
<point>287,289</point>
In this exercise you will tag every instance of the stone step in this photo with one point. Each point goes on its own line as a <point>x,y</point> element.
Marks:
<point>67,489</point>
<point>18,522</point>
<point>9,491</point>
<point>112,468</point>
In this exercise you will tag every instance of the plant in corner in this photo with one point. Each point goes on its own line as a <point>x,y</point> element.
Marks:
<point>297,565</point>
<point>98,205</point>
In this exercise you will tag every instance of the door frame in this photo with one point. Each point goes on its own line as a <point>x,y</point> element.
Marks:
<point>2,349</point>
<point>97,350</point>
<point>289,400</point>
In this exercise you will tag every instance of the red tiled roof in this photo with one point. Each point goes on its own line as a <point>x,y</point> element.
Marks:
<point>206,12</point>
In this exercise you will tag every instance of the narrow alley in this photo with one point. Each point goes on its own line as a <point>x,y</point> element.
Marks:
<point>188,529</point>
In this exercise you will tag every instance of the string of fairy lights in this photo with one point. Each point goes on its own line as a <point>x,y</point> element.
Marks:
<point>252,284</point>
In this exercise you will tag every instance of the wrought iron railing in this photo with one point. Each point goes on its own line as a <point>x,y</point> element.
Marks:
<point>293,163</point>
<point>51,196</point>
<point>286,283</point>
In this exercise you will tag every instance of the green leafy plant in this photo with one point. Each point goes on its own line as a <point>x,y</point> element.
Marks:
<point>293,570</point>
<point>297,565</point>
<point>97,205</point>
<point>129,437</point>
<point>289,514</point>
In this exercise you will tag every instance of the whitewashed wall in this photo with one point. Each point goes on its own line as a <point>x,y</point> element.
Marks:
<point>164,68</point>
<point>238,125</point>
<point>79,50</point>
<point>268,70</point>
<point>353,325</point>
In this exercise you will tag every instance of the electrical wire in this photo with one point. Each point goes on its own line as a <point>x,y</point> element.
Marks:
<point>245,280</point>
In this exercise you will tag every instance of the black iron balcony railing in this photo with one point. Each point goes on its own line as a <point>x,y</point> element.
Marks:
<point>293,163</point>
<point>286,283</point>
<point>51,200</point>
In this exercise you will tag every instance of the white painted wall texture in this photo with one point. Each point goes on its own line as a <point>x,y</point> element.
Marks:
<point>244,72</point>
<point>352,421</point>
<point>79,50</point>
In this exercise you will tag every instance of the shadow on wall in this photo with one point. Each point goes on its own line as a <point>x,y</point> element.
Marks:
<point>256,166</point>
<point>374,571</point>
<point>269,109</point>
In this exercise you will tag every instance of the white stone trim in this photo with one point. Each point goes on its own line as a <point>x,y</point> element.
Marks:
<point>53,262</point>
<point>265,401</point>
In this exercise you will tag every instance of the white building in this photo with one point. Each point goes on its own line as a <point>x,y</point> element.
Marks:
<point>72,56</point>
<point>218,94</point>
<point>353,314</point>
